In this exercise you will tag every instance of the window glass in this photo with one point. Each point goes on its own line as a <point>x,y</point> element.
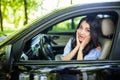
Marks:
<point>3,52</point>
<point>66,26</point>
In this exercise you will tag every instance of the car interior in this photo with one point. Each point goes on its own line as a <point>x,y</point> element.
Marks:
<point>108,28</point>
<point>49,44</point>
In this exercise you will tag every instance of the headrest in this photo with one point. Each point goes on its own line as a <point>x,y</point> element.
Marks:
<point>107,27</point>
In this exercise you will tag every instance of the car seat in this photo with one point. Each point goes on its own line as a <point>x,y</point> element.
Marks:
<point>107,28</point>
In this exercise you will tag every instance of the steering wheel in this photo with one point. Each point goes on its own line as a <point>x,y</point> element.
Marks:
<point>46,47</point>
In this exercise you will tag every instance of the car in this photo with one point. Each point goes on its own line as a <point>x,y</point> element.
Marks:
<point>33,53</point>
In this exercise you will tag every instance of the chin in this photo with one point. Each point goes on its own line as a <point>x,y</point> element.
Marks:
<point>81,40</point>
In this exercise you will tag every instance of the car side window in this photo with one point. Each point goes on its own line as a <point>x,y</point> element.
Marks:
<point>69,25</point>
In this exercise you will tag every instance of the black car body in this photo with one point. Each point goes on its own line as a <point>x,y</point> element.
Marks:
<point>32,51</point>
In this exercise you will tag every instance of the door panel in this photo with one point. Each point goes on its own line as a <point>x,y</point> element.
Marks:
<point>59,41</point>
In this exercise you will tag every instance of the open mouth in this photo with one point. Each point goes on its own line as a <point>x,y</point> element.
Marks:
<point>80,38</point>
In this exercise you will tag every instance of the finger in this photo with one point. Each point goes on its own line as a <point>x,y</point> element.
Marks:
<point>86,40</point>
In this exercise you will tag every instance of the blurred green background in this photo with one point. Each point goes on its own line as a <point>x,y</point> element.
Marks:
<point>14,14</point>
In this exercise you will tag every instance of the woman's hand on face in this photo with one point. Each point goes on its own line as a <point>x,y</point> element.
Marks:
<point>84,42</point>
<point>77,42</point>
<point>81,45</point>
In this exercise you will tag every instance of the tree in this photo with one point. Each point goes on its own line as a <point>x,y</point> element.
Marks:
<point>26,16</point>
<point>1,25</point>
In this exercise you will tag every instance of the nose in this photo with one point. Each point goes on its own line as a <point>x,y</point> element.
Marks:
<point>82,31</point>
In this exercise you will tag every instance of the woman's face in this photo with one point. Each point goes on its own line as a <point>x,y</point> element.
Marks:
<point>83,31</point>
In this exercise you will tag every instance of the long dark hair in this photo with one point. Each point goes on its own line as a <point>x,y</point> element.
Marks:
<point>94,32</point>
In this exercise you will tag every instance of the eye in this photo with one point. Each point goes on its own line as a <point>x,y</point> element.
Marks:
<point>88,30</point>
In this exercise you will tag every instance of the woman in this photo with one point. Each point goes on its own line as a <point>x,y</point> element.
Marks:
<point>85,44</point>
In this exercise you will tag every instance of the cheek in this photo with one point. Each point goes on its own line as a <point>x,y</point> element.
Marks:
<point>89,37</point>
<point>78,30</point>
<point>88,34</point>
